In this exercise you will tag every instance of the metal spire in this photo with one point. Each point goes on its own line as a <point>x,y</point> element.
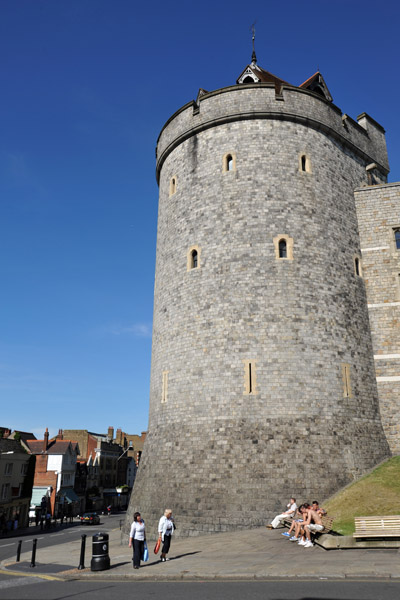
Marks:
<point>253,37</point>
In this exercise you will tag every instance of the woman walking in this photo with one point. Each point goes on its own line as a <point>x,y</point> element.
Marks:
<point>138,537</point>
<point>165,530</point>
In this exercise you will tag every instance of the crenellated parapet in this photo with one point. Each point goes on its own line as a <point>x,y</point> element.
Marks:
<point>364,137</point>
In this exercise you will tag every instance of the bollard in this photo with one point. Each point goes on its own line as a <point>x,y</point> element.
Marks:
<point>82,558</point>
<point>100,558</point>
<point>33,553</point>
<point>19,550</point>
<point>120,524</point>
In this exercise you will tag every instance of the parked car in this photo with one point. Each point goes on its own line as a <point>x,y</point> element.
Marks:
<point>90,518</point>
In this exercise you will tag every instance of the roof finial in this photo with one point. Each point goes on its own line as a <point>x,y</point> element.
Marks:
<point>253,37</point>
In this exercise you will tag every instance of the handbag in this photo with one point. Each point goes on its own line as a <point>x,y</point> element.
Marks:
<point>145,553</point>
<point>157,546</point>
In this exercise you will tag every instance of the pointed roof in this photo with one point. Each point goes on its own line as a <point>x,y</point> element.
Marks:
<point>316,83</point>
<point>256,74</point>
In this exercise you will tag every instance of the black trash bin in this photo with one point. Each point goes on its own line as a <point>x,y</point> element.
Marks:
<point>100,558</point>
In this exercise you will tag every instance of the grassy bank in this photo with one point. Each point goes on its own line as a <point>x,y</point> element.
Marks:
<point>375,494</point>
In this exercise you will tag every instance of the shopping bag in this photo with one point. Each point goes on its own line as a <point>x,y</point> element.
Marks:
<point>145,553</point>
<point>157,546</point>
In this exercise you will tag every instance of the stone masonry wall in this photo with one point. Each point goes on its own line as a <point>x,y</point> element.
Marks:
<point>222,458</point>
<point>378,210</point>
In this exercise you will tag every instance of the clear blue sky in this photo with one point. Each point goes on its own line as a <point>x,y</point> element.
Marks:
<point>86,86</point>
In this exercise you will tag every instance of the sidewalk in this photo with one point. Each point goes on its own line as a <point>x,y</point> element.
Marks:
<point>244,555</point>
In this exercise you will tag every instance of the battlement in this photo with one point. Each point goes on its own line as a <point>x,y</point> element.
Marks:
<point>365,138</point>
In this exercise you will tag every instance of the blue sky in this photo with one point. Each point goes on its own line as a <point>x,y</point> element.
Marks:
<point>86,87</point>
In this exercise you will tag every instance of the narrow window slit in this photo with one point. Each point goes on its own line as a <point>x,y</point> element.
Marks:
<point>250,382</point>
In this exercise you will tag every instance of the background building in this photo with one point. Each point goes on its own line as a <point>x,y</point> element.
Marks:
<point>16,480</point>
<point>53,486</point>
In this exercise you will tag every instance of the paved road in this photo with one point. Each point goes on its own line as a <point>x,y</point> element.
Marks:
<point>60,535</point>
<point>36,589</point>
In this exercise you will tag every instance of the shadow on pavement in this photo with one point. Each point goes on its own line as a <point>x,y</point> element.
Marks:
<point>120,564</point>
<point>25,567</point>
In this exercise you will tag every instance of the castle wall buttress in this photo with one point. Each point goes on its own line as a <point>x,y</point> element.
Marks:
<point>378,211</point>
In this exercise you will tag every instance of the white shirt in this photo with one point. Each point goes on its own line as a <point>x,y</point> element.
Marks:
<point>292,508</point>
<point>165,527</point>
<point>137,530</point>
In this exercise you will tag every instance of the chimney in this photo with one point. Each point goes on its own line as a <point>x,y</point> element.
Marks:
<point>46,440</point>
<point>60,435</point>
<point>110,433</point>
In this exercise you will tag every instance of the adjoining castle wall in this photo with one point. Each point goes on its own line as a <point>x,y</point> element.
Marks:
<point>262,381</point>
<point>378,211</point>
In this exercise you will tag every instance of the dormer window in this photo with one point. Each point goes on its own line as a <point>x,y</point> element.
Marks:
<point>248,77</point>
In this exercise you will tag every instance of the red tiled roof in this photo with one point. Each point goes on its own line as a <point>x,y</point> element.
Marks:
<point>53,447</point>
<point>263,75</point>
<point>309,81</point>
<point>266,76</point>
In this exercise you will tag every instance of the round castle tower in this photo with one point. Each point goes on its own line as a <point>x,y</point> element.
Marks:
<point>262,379</point>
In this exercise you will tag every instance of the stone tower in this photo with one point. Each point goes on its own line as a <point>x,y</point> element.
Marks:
<point>262,379</point>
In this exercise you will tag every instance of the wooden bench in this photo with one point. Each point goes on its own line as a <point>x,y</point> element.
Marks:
<point>374,527</point>
<point>326,522</point>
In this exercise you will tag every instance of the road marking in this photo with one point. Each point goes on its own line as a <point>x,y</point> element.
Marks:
<point>9,583</point>
<point>56,534</point>
<point>76,531</point>
<point>4,545</point>
<point>31,575</point>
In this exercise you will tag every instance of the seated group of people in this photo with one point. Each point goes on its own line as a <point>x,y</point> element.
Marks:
<point>306,520</point>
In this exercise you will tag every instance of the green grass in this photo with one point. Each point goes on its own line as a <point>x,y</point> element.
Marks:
<point>375,494</point>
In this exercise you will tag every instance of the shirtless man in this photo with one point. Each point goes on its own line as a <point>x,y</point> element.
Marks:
<point>315,506</point>
<point>312,524</point>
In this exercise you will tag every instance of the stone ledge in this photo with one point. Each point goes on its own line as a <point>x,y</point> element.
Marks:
<point>347,542</point>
